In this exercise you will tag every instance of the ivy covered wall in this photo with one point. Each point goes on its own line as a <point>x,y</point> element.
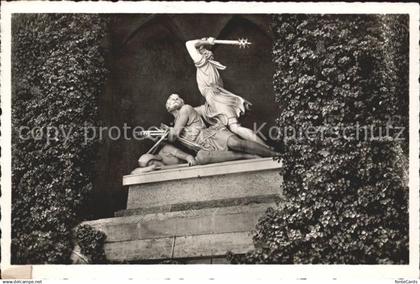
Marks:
<point>58,74</point>
<point>347,197</point>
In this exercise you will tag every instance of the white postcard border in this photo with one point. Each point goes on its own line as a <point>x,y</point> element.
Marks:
<point>202,272</point>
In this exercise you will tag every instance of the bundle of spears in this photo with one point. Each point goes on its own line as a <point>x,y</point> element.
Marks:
<point>162,134</point>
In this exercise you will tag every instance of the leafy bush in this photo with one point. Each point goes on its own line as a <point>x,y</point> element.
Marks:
<point>91,243</point>
<point>58,74</point>
<point>347,199</point>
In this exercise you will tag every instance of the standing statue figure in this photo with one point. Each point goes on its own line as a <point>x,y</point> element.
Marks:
<point>188,125</point>
<point>222,106</point>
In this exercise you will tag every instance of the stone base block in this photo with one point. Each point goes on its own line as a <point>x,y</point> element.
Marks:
<point>238,179</point>
<point>192,214</point>
<point>197,246</point>
<point>181,223</point>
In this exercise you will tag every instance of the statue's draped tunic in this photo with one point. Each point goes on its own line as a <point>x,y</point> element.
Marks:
<point>222,106</point>
<point>214,138</point>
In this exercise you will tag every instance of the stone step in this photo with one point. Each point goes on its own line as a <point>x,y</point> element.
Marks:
<point>188,260</point>
<point>258,199</point>
<point>191,213</point>
<point>196,246</point>
<point>181,223</point>
<point>180,185</point>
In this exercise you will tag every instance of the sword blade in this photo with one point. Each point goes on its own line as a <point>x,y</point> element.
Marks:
<point>223,41</point>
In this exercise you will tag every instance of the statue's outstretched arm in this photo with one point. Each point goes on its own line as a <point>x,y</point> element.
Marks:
<point>193,45</point>
<point>144,170</point>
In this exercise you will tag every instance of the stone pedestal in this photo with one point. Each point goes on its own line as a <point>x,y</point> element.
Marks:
<point>195,214</point>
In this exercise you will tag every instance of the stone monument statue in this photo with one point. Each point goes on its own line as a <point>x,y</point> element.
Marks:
<point>189,126</point>
<point>222,106</point>
<point>225,139</point>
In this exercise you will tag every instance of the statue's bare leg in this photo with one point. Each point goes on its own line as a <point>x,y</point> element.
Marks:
<point>208,157</point>
<point>250,147</point>
<point>246,133</point>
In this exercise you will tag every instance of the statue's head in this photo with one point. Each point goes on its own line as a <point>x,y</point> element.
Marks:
<point>204,51</point>
<point>208,54</point>
<point>147,160</point>
<point>174,102</point>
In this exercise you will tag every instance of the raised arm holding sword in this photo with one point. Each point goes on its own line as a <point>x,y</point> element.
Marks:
<point>222,106</point>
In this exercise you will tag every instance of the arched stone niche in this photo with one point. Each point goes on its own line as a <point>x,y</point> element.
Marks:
<point>148,61</point>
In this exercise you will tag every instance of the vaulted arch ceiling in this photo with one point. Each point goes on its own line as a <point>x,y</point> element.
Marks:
<point>189,26</point>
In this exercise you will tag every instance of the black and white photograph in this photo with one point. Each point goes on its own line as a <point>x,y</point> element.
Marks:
<point>210,137</point>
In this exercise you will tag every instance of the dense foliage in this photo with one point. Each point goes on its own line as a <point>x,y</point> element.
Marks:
<point>91,242</point>
<point>58,74</point>
<point>347,198</point>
